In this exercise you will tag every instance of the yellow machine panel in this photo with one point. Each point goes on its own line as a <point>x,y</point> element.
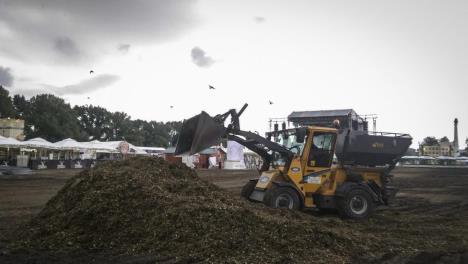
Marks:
<point>265,180</point>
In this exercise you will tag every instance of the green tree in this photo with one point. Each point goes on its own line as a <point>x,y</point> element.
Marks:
<point>94,122</point>
<point>120,126</point>
<point>98,123</point>
<point>159,133</point>
<point>430,141</point>
<point>444,139</point>
<point>51,118</point>
<point>137,133</point>
<point>21,106</point>
<point>152,134</point>
<point>6,105</point>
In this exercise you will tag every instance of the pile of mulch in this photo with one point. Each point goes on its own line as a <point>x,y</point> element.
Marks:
<point>152,210</point>
<point>148,206</point>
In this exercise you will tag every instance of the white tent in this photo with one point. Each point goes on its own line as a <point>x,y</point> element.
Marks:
<point>116,145</point>
<point>7,142</point>
<point>137,150</point>
<point>99,146</point>
<point>39,143</point>
<point>70,144</point>
<point>445,158</point>
<point>113,147</point>
<point>152,150</point>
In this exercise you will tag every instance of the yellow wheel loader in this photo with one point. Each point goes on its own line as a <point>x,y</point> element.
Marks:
<point>308,167</point>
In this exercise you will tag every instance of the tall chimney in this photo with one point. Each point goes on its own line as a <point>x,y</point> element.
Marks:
<point>455,137</point>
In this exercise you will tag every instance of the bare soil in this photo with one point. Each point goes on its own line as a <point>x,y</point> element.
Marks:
<point>429,218</point>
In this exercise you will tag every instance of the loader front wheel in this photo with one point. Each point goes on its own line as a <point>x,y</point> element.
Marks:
<point>356,204</point>
<point>282,197</point>
<point>248,188</point>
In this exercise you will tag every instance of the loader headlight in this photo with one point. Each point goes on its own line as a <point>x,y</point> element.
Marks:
<point>264,179</point>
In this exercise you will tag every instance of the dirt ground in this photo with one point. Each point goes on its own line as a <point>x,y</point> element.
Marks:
<point>432,203</point>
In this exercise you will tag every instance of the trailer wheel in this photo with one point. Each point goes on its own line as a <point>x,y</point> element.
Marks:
<point>356,204</point>
<point>248,189</point>
<point>282,197</point>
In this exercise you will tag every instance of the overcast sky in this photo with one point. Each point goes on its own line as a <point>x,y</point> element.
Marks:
<point>406,61</point>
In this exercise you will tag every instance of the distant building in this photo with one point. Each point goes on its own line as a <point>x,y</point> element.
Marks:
<point>170,157</point>
<point>464,152</point>
<point>417,160</point>
<point>442,149</point>
<point>13,128</point>
<point>431,161</point>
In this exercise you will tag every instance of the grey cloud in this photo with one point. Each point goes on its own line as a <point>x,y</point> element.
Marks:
<point>66,46</point>
<point>6,78</point>
<point>86,86</point>
<point>200,58</point>
<point>35,30</point>
<point>123,48</point>
<point>259,19</point>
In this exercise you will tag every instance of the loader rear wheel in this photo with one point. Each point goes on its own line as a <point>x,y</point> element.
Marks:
<point>282,197</point>
<point>248,188</point>
<point>356,204</point>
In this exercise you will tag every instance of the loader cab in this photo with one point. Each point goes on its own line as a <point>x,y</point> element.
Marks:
<point>293,140</point>
<point>316,163</point>
<point>321,148</point>
<point>319,151</point>
<point>313,147</point>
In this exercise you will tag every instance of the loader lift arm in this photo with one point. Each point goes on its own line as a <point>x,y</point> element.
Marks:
<point>263,147</point>
<point>203,131</point>
<point>256,143</point>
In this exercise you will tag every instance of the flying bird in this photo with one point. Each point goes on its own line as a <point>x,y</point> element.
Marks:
<point>89,97</point>
<point>211,87</point>
<point>172,106</point>
<point>270,102</point>
<point>91,72</point>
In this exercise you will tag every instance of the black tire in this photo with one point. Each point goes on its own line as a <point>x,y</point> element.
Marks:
<point>282,197</point>
<point>248,189</point>
<point>356,204</point>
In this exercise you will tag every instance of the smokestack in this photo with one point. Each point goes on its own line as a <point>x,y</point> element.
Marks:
<point>455,137</point>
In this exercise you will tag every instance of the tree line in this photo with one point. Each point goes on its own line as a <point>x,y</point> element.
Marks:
<point>433,141</point>
<point>51,118</point>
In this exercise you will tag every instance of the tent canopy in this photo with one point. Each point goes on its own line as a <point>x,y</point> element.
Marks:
<point>71,144</point>
<point>10,143</point>
<point>39,143</point>
<point>113,147</point>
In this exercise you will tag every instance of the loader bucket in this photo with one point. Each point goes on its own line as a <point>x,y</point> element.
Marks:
<point>198,133</point>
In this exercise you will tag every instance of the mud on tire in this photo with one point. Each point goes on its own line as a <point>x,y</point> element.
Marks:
<point>356,204</point>
<point>248,189</point>
<point>282,197</point>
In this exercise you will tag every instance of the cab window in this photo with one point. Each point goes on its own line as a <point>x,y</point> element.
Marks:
<point>321,152</point>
